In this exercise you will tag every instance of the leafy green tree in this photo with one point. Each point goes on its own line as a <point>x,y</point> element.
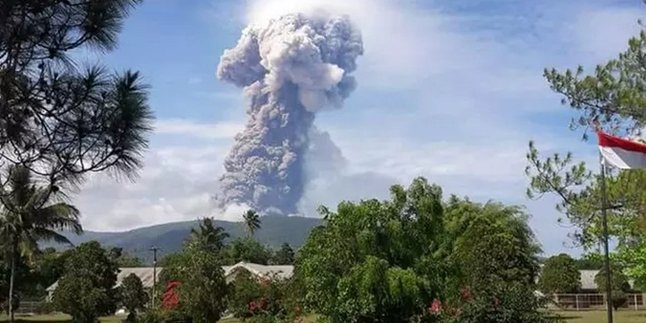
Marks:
<point>264,299</point>
<point>22,273</point>
<point>59,121</point>
<point>634,260</point>
<point>376,261</point>
<point>244,289</point>
<point>508,253</point>
<point>29,214</point>
<point>124,260</point>
<point>247,250</point>
<point>127,261</point>
<point>252,221</point>
<point>580,195</point>
<point>208,236</point>
<point>494,258</point>
<point>618,282</point>
<point>590,261</point>
<point>284,256</point>
<point>172,264</point>
<point>47,267</point>
<point>133,296</point>
<point>86,290</point>
<point>612,98</point>
<point>203,289</point>
<point>560,275</point>
<point>614,94</point>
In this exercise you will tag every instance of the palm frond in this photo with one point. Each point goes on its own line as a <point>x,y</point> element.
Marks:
<point>29,215</point>
<point>60,216</point>
<point>49,235</point>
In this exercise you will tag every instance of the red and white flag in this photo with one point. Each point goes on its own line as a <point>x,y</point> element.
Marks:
<point>622,153</point>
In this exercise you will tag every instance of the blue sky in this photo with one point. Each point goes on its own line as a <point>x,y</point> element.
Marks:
<point>449,90</point>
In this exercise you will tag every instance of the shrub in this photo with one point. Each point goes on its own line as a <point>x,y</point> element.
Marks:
<point>86,290</point>
<point>511,303</point>
<point>197,285</point>
<point>244,291</point>
<point>44,308</point>
<point>264,299</point>
<point>376,261</point>
<point>560,275</point>
<point>133,296</point>
<point>619,299</point>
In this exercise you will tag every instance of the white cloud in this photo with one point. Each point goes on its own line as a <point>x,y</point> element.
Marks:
<point>176,183</point>
<point>183,127</point>
<point>465,101</point>
<point>601,33</point>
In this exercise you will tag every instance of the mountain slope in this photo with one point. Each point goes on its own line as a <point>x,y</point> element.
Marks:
<point>169,237</point>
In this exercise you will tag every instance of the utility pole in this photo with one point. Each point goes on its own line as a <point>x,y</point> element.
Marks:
<point>154,250</point>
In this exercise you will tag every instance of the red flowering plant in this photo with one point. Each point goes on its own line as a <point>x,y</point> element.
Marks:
<point>170,299</point>
<point>257,306</point>
<point>170,307</point>
<point>252,296</point>
<point>451,309</point>
<point>435,309</point>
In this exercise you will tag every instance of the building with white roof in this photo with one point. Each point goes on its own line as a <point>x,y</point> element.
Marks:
<point>146,273</point>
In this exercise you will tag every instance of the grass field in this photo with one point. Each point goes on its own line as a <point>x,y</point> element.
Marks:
<point>624,316</point>
<point>307,319</point>
<point>55,318</point>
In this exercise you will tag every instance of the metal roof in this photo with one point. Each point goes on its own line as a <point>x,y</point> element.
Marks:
<point>282,272</point>
<point>587,279</point>
<point>146,273</point>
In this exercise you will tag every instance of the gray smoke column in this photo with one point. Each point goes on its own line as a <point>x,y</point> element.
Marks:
<point>290,68</point>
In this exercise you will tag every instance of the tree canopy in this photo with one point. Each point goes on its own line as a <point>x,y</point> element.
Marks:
<point>59,120</point>
<point>612,99</point>
<point>376,261</point>
<point>30,214</point>
<point>247,250</point>
<point>389,261</point>
<point>132,295</point>
<point>283,256</point>
<point>202,286</point>
<point>560,275</point>
<point>86,290</point>
<point>208,236</point>
<point>494,262</point>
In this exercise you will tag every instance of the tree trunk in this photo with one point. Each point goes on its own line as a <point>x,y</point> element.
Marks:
<point>11,280</point>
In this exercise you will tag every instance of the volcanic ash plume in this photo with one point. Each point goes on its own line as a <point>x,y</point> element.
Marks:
<point>290,68</point>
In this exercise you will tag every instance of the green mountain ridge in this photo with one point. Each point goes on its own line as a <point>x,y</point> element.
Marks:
<point>168,237</point>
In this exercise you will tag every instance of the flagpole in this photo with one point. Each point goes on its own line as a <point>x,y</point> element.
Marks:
<point>604,220</point>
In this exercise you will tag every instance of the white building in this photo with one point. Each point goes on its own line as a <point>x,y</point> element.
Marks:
<point>146,274</point>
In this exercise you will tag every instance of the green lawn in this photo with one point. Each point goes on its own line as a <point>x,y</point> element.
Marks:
<point>623,316</point>
<point>307,319</point>
<point>54,318</point>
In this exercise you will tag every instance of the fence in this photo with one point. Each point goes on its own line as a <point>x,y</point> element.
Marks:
<point>580,302</point>
<point>30,307</point>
